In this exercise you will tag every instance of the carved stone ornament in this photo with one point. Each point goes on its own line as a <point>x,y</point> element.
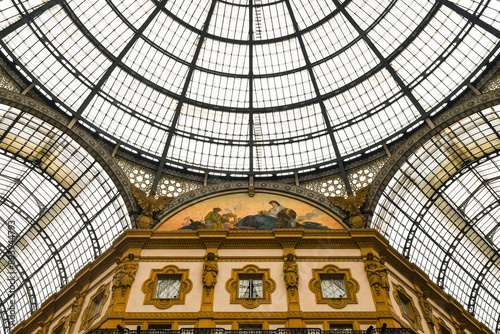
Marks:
<point>233,286</point>
<point>149,204</point>
<point>377,274</point>
<point>351,286</point>
<point>413,318</point>
<point>170,271</point>
<point>352,204</point>
<point>44,327</point>
<point>61,326</point>
<point>442,327</point>
<point>426,307</point>
<point>76,309</point>
<point>96,302</point>
<point>210,271</point>
<point>291,273</point>
<point>124,274</point>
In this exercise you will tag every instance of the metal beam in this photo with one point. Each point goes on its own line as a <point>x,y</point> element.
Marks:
<point>118,59</point>
<point>471,307</point>
<point>250,87</point>
<point>26,18</point>
<point>182,98</point>
<point>41,231</point>
<point>382,59</point>
<point>318,99</point>
<point>5,318</point>
<point>472,18</point>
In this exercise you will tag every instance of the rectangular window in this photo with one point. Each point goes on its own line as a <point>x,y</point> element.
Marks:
<point>333,286</point>
<point>168,287</point>
<point>250,286</point>
<point>341,327</point>
<point>165,327</point>
<point>250,328</point>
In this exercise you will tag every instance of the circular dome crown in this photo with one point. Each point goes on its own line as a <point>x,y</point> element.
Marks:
<point>250,86</point>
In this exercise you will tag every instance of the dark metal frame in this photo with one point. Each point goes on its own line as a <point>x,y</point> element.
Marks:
<point>339,160</point>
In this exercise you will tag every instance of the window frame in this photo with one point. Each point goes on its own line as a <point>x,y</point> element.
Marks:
<point>88,315</point>
<point>350,284</point>
<point>251,279</point>
<point>403,298</point>
<point>168,277</point>
<point>233,286</point>
<point>150,285</point>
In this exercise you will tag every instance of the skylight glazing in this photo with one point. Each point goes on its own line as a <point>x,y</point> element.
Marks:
<point>441,210</point>
<point>321,80</point>
<point>66,209</point>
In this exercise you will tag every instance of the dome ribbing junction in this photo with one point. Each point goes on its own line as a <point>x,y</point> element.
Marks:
<point>250,87</point>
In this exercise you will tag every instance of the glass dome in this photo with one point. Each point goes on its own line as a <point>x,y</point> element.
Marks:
<point>250,86</point>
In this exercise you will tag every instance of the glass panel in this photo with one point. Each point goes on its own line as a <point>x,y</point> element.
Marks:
<point>333,287</point>
<point>168,288</point>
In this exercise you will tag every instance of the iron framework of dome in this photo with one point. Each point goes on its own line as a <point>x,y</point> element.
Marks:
<point>254,88</point>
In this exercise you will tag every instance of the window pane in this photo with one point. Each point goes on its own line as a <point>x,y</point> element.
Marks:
<point>168,288</point>
<point>333,287</point>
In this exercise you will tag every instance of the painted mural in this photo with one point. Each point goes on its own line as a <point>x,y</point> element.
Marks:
<point>241,212</point>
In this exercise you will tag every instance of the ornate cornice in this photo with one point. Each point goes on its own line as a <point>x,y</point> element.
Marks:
<point>449,117</point>
<point>82,137</point>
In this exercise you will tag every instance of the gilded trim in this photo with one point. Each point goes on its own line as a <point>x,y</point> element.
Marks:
<point>268,286</point>
<point>149,287</point>
<point>351,286</point>
<point>63,324</point>
<point>442,324</point>
<point>415,320</point>
<point>87,320</point>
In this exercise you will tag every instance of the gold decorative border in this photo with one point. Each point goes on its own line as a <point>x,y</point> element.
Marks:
<point>268,286</point>
<point>339,315</point>
<point>62,323</point>
<point>442,324</point>
<point>351,286</point>
<point>86,319</point>
<point>149,287</point>
<point>415,320</point>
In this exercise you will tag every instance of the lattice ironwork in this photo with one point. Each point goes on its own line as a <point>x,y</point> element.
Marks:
<point>143,179</point>
<point>364,176</point>
<point>7,83</point>
<point>250,88</point>
<point>358,178</point>
<point>67,208</point>
<point>441,209</point>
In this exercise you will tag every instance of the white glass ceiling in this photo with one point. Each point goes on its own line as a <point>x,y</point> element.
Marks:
<point>65,207</point>
<point>441,210</point>
<point>250,86</point>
